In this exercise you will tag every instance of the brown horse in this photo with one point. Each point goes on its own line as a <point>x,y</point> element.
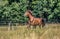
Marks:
<point>33,20</point>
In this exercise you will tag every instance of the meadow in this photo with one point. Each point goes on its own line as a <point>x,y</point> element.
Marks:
<point>50,31</point>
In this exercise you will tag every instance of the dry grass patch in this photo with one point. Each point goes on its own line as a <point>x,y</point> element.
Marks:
<point>21,32</point>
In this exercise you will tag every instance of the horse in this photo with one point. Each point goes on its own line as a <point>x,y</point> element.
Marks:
<point>33,20</point>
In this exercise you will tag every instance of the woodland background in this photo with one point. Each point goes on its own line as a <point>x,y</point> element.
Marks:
<point>13,10</point>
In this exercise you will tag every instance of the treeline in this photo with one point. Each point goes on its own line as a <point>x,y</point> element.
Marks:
<point>13,10</point>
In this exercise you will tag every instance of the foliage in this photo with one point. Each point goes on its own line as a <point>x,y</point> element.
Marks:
<point>13,10</point>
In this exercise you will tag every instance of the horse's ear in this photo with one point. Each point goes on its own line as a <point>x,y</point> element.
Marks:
<point>30,12</point>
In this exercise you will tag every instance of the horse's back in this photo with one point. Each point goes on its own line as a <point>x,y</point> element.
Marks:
<point>36,21</point>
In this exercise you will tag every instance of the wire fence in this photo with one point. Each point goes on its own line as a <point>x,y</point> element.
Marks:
<point>10,25</point>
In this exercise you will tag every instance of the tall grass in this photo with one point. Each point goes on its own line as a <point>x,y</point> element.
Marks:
<point>21,32</point>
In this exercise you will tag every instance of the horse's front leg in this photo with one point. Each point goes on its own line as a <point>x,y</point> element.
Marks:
<point>29,25</point>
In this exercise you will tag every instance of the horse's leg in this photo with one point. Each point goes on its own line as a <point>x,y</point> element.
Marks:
<point>34,26</point>
<point>43,24</point>
<point>28,26</point>
<point>40,26</point>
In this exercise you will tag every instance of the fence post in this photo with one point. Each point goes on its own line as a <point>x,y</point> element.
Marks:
<point>12,27</point>
<point>15,26</point>
<point>9,24</point>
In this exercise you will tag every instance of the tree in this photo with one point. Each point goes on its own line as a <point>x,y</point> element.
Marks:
<point>13,10</point>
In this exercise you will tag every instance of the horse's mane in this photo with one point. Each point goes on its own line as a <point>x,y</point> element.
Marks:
<point>29,11</point>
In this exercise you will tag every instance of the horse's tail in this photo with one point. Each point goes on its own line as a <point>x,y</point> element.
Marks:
<point>43,22</point>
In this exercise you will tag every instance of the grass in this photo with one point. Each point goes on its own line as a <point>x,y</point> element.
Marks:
<point>21,32</point>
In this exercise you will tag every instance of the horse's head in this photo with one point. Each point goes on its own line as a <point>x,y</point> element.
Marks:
<point>28,12</point>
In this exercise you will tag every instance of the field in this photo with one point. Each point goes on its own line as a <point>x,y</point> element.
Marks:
<point>50,31</point>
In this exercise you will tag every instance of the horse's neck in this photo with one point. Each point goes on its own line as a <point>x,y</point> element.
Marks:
<point>31,17</point>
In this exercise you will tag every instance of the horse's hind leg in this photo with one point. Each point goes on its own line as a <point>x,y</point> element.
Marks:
<point>43,24</point>
<point>40,26</point>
